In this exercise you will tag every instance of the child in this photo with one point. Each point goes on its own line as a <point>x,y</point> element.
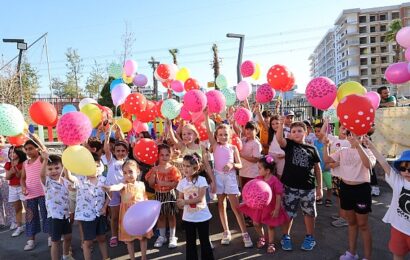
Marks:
<point>274,214</point>
<point>263,123</point>
<point>164,178</point>
<point>57,204</point>
<point>7,216</point>
<point>250,153</point>
<point>355,192</point>
<point>32,188</point>
<point>196,213</point>
<point>398,177</point>
<point>301,170</point>
<point>227,159</point>
<point>132,191</point>
<point>91,207</point>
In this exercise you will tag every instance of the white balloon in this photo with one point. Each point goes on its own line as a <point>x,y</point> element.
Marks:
<point>86,101</point>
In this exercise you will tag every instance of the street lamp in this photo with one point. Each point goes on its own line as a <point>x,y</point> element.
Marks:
<point>241,40</point>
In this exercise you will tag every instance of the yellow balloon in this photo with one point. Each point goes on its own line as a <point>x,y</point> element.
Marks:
<point>79,160</point>
<point>257,72</point>
<point>335,103</point>
<point>124,123</point>
<point>93,113</point>
<point>182,74</point>
<point>349,88</point>
<point>126,79</point>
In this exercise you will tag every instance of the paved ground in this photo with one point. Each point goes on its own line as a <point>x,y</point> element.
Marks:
<point>331,242</point>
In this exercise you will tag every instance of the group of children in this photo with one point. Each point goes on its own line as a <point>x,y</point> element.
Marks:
<point>185,177</point>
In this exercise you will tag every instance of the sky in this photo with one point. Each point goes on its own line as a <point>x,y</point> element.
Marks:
<point>276,32</point>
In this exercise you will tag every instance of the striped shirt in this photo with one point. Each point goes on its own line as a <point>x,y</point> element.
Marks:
<point>33,181</point>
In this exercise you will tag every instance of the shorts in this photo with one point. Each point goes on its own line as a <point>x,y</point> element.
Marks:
<point>356,197</point>
<point>168,208</point>
<point>336,185</point>
<point>15,194</point>
<point>94,228</point>
<point>226,183</point>
<point>399,243</point>
<point>306,198</point>
<point>327,180</point>
<point>115,199</point>
<point>72,195</point>
<point>59,227</point>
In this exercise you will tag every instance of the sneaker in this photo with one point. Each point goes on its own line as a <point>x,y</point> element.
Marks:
<point>17,232</point>
<point>113,242</point>
<point>173,241</point>
<point>13,226</point>
<point>212,245</point>
<point>49,241</point>
<point>286,243</point>
<point>348,256</point>
<point>335,216</point>
<point>319,202</point>
<point>226,238</point>
<point>67,257</point>
<point>328,203</point>
<point>309,243</point>
<point>340,222</point>
<point>375,191</point>
<point>29,246</point>
<point>160,241</point>
<point>247,240</point>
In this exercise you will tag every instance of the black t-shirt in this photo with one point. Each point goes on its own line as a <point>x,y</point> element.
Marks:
<point>299,161</point>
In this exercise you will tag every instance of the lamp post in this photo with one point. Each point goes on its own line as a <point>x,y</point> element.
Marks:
<point>241,41</point>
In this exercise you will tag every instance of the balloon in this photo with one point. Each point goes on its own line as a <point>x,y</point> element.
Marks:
<point>86,101</point>
<point>248,68</point>
<point>119,94</point>
<point>180,94</point>
<point>264,94</point>
<point>321,92</point>
<point>79,160</point>
<point>242,116</point>
<point>397,73</point>
<point>374,97</point>
<point>185,114</point>
<point>130,67</point>
<point>124,123</point>
<point>158,105</point>
<point>135,103</point>
<point>93,113</point>
<point>170,108</point>
<point>114,71</point>
<point>279,77</point>
<point>221,81</point>
<point>335,103</point>
<point>191,84</point>
<point>115,83</point>
<point>356,113</point>
<point>173,70</point>
<point>43,113</point>
<point>237,142</point>
<point>74,128</point>
<point>407,54</point>
<point>141,217</point>
<point>139,126</point>
<point>195,101</point>
<point>243,90</point>
<point>177,86</point>
<point>403,37</point>
<point>68,108</point>
<point>203,134</point>
<point>182,74</point>
<point>216,101</point>
<point>349,88</point>
<point>148,114</point>
<point>163,71</point>
<point>140,80</point>
<point>290,84</point>
<point>257,194</point>
<point>17,140</point>
<point>257,72</point>
<point>331,113</point>
<point>127,79</point>
<point>158,77</point>
<point>198,117</point>
<point>146,151</point>
<point>230,96</point>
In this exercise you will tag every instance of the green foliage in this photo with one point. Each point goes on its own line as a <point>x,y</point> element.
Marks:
<point>394,28</point>
<point>95,81</point>
<point>74,73</point>
<point>105,95</point>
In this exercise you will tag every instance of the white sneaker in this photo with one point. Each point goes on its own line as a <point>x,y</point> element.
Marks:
<point>226,238</point>
<point>212,245</point>
<point>247,240</point>
<point>375,191</point>
<point>49,241</point>
<point>160,241</point>
<point>13,226</point>
<point>29,246</point>
<point>173,242</point>
<point>17,232</point>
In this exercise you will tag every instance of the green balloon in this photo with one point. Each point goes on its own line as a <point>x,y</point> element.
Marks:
<point>331,113</point>
<point>115,70</point>
<point>230,96</point>
<point>221,81</point>
<point>170,108</point>
<point>11,120</point>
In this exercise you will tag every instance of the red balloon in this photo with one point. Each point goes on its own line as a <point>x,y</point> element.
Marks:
<point>163,71</point>
<point>191,84</point>
<point>290,84</point>
<point>356,113</point>
<point>166,84</point>
<point>203,134</point>
<point>146,151</point>
<point>134,103</point>
<point>237,142</point>
<point>149,114</point>
<point>43,113</point>
<point>280,78</point>
<point>17,140</point>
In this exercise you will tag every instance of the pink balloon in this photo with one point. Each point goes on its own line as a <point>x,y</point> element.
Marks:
<point>248,68</point>
<point>321,92</point>
<point>403,37</point>
<point>195,100</point>
<point>130,67</point>
<point>374,97</point>
<point>119,94</point>
<point>177,86</point>
<point>242,116</point>
<point>397,73</point>
<point>243,90</point>
<point>139,126</point>
<point>141,217</point>
<point>216,101</point>
<point>74,128</point>
<point>140,80</point>
<point>407,54</point>
<point>184,114</point>
<point>198,117</point>
<point>257,194</point>
<point>264,94</point>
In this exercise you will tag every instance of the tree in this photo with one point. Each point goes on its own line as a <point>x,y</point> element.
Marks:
<point>215,63</point>
<point>73,75</point>
<point>174,53</point>
<point>390,37</point>
<point>58,87</point>
<point>105,99</point>
<point>128,39</point>
<point>95,80</point>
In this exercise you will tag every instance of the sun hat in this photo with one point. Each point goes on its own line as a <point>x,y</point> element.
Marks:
<point>404,157</point>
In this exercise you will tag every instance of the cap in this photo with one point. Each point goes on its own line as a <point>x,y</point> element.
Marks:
<point>289,113</point>
<point>307,123</point>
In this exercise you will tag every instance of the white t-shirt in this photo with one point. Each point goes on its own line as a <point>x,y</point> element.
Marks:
<point>398,214</point>
<point>196,212</point>
<point>251,148</point>
<point>114,173</point>
<point>274,147</point>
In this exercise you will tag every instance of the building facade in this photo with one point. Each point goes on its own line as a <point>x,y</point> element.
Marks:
<point>322,60</point>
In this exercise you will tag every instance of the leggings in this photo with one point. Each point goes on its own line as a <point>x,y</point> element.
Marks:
<point>33,216</point>
<point>191,229</point>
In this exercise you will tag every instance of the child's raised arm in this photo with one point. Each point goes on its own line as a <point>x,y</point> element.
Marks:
<point>379,157</point>
<point>171,133</point>
<point>211,137</point>
<point>43,170</point>
<point>279,133</point>
<point>107,148</point>
<point>362,153</point>
<point>259,116</point>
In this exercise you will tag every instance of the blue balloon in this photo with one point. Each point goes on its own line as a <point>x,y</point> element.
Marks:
<point>68,108</point>
<point>102,135</point>
<point>115,83</point>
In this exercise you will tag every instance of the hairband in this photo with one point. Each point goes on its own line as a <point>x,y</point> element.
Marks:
<point>269,159</point>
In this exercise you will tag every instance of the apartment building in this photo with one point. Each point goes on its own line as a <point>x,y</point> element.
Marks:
<point>322,60</point>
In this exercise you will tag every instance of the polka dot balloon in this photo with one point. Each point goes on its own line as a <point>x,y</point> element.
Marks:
<point>264,94</point>
<point>146,151</point>
<point>134,103</point>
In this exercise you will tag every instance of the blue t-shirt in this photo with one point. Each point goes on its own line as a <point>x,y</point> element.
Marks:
<point>319,146</point>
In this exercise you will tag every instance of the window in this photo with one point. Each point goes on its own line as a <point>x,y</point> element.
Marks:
<point>374,81</point>
<point>362,29</point>
<point>363,40</point>
<point>382,28</point>
<point>364,82</point>
<point>373,39</point>
<point>383,49</point>
<point>395,15</point>
<point>383,69</point>
<point>362,19</point>
<point>374,71</point>
<point>372,29</point>
<point>363,51</point>
<point>373,50</point>
<point>373,60</point>
<point>372,18</point>
<point>384,59</point>
<point>384,81</point>
<point>382,17</point>
<point>382,38</point>
<point>363,61</point>
<point>363,72</point>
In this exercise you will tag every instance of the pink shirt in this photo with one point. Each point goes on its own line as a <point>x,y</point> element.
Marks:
<point>251,148</point>
<point>223,155</point>
<point>33,180</point>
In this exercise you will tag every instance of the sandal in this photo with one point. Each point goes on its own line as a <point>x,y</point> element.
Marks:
<point>271,249</point>
<point>261,242</point>
<point>113,242</point>
<point>328,203</point>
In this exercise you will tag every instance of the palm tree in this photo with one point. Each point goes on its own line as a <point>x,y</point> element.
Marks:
<point>215,63</point>
<point>174,53</point>
<point>394,27</point>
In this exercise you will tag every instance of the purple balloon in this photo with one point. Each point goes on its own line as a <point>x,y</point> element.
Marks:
<point>141,217</point>
<point>397,73</point>
<point>119,94</point>
<point>403,37</point>
<point>140,80</point>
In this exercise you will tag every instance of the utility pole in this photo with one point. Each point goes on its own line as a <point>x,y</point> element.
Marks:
<point>241,42</point>
<point>154,65</point>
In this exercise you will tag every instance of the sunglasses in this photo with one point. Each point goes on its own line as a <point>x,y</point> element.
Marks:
<point>403,169</point>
